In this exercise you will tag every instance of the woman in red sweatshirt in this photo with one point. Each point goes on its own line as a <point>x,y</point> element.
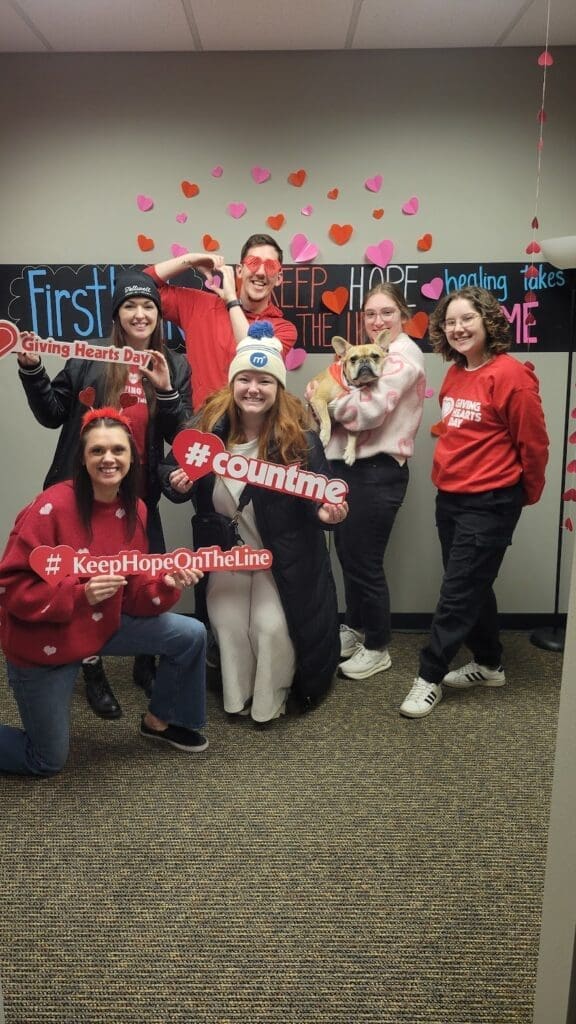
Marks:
<point>49,626</point>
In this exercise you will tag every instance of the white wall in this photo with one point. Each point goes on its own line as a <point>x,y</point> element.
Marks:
<point>86,133</point>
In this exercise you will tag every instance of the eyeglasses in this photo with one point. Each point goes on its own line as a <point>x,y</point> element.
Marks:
<point>373,314</point>
<point>271,267</point>
<point>465,320</point>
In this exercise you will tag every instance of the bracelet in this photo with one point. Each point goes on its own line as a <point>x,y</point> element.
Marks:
<point>232,303</point>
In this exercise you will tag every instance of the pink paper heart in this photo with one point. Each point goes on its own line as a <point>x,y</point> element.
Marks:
<point>374,184</point>
<point>213,281</point>
<point>260,174</point>
<point>9,335</point>
<point>302,250</point>
<point>545,59</point>
<point>195,452</point>
<point>181,218</point>
<point>144,203</point>
<point>178,250</point>
<point>236,210</point>
<point>571,467</point>
<point>411,206</point>
<point>380,254</point>
<point>307,210</point>
<point>295,358</point>
<point>217,171</point>
<point>429,393</point>
<point>433,289</point>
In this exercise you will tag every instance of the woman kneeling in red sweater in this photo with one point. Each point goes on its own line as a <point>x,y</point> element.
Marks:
<point>48,628</point>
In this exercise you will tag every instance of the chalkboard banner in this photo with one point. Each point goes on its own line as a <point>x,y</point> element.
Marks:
<point>73,302</point>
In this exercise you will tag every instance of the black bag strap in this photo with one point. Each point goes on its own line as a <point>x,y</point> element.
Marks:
<point>245,497</point>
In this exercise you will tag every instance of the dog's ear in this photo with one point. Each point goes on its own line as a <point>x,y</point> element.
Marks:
<point>340,346</point>
<point>383,340</point>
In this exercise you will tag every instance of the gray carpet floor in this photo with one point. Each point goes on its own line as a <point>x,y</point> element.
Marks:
<point>346,866</point>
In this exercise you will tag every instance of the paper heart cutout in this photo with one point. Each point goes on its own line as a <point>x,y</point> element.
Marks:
<point>542,116</point>
<point>429,393</point>
<point>307,210</point>
<point>540,144</point>
<point>178,250</point>
<point>380,254</point>
<point>573,414</point>
<point>302,250</point>
<point>534,223</point>
<point>417,326</point>
<point>97,616</point>
<point>260,174</point>
<point>569,495</point>
<point>533,247</point>
<point>295,358</point>
<point>530,365</point>
<point>210,244</point>
<point>378,214</point>
<point>411,206</point>
<point>297,178</point>
<point>181,218</point>
<point>190,189</point>
<point>145,244</point>
<point>571,467</point>
<point>531,272</point>
<point>217,171</point>
<point>437,429</point>
<point>126,400</point>
<point>340,233</point>
<point>425,243</point>
<point>87,396</point>
<point>569,524</point>
<point>336,300</point>
<point>195,452</point>
<point>333,193</point>
<point>276,221</point>
<point>144,203</point>
<point>529,319</point>
<point>212,281</point>
<point>374,184</point>
<point>52,563</point>
<point>9,335</point>
<point>545,60</point>
<point>572,438</point>
<point>236,210</point>
<point>48,650</point>
<point>433,289</point>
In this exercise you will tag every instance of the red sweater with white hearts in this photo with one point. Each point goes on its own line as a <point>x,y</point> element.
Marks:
<point>53,624</point>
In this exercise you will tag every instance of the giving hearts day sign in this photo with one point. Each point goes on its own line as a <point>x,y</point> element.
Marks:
<point>69,303</point>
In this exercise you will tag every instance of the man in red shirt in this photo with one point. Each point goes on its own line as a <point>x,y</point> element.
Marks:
<point>215,320</point>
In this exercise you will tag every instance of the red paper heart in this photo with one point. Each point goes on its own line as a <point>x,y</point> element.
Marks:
<point>529,319</point>
<point>189,189</point>
<point>335,300</point>
<point>378,214</point>
<point>145,244</point>
<point>195,452</point>
<point>210,244</point>
<point>530,365</point>
<point>542,116</point>
<point>333,193</point>
<point>127,400</point>
<point>425,243</point>
<point>416,327</point>
<point>437,429</point>
<point>545,60</point>
<point>297,178</point>
<point>534,223</point>
<point>569,495</point>
<point>568,524</point>
<point>276,222</point>
<point>572,438</point>
<point>340,233</point>
<point>52,564</point>
<point>531,272</point>
<point>533,247</point>
<point>571,467</point>
<point>9,335</point>
<point>87,396</point>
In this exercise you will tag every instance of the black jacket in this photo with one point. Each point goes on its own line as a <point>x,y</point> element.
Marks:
<point>56,404</point>
<point>290,529</point>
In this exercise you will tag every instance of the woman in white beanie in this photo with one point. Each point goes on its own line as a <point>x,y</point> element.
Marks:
<point>277,630</point>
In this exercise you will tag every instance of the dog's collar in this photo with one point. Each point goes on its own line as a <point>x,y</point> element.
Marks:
<point>336,372</point>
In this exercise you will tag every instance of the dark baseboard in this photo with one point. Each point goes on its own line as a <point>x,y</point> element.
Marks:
<point>420,621</point>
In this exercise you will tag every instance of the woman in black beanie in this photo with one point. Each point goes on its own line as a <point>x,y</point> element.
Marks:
<point>157,401</point>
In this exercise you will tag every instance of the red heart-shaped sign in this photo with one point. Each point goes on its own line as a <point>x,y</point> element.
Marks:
<point>9,335</point>
<point>52,564</point>
<point>87,396</point>
<point>195,452</point>
<point>416,327</point>
<point>335,300</point>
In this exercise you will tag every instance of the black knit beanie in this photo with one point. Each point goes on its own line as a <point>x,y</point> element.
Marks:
<point>132,283</point>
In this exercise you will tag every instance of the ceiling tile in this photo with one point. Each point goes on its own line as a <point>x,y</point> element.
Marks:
<point>531,28</point>
<point>253,25</point>
<point>111,25</point>
<point>442,24</point>
<point>15,35</point>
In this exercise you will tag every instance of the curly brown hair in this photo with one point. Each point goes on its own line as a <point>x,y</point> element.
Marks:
<point>283,434</point>
<point>498,334</point>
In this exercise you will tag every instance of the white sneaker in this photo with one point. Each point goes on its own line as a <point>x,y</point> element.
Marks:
<point>350,641</point>
<point>474,674</point>
<point>422,699</point>
<point>365,663</point>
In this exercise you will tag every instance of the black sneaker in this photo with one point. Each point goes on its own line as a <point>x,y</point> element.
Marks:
<point>176,736</point>
<point>99,693</point>
<point>144,672</point>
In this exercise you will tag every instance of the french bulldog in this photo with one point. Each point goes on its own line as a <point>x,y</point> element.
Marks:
<point>358,366</point>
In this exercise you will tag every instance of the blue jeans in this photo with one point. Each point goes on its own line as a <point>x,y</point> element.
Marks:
<point>44,694</point>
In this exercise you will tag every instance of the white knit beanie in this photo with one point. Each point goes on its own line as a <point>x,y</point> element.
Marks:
<point>260,351</point>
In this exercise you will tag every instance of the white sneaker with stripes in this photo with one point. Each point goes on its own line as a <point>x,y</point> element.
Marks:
<point>422,699</point>
<point>473,674</point>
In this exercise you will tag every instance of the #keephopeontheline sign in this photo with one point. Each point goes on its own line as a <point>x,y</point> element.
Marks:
<point>68,302</point>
